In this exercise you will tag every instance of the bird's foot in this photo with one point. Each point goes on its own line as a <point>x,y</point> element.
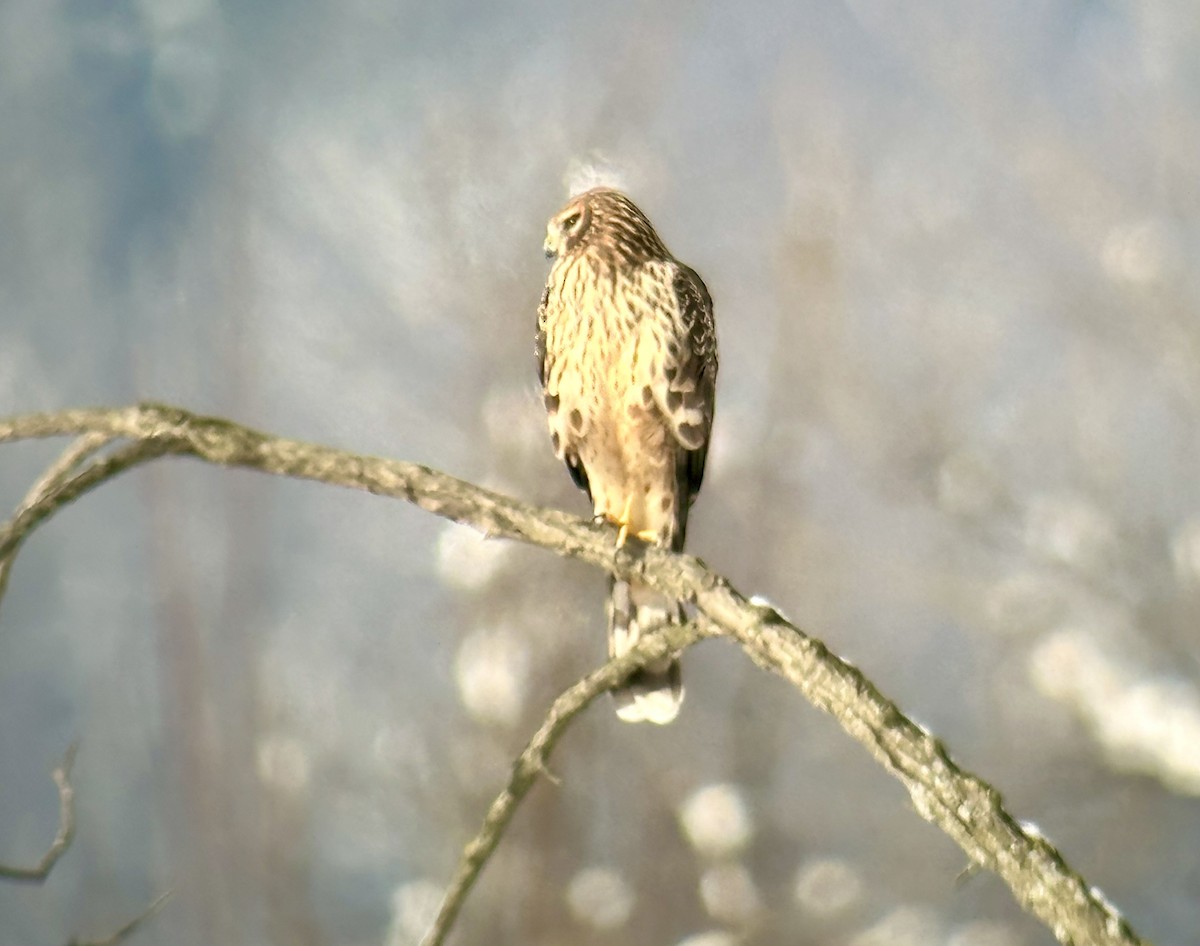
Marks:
<point>622,522</point>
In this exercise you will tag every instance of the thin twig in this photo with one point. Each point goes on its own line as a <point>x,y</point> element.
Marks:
<point>55,489</point>
<point>66,491</point>
<point>75,454</point>
<point>968,809</point>
<point>56,472</point>
<point>532,761</point>
<point>62,837</point>
<point>129,928</point>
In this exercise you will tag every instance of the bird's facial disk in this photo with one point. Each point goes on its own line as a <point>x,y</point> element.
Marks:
<point>566,228</point>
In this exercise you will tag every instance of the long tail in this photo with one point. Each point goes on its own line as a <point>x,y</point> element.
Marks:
<point>655,692</point>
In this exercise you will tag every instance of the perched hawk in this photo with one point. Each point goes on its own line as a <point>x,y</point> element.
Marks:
<point>627,357</point>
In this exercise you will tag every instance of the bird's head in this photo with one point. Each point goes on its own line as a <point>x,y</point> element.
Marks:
<point>567,227</point>
<point>606,224</point>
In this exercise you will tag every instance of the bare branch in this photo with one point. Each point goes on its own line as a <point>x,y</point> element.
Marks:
<point>964,806</point>
<point>66,828</point>
<point>968,809</point>
<point>129,928</point>
<point>532,761</point>
<point>222,442</point>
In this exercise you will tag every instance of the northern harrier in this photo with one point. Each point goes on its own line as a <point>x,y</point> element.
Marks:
<point>627,357</point>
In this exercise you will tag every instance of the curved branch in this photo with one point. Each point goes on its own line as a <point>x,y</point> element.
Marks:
<point>964,806</point>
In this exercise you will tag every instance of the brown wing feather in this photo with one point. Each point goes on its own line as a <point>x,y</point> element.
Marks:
<point>693,388</point>
<point>539,338</point>
<point>574,466</point>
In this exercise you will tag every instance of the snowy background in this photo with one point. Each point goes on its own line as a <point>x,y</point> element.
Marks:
<point>953,248</point>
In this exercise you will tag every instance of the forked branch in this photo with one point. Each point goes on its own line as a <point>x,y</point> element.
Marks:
<point>965,807</point>
<point>62,837</point>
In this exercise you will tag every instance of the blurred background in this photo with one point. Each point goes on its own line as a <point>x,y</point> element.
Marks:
<point>953,251</point>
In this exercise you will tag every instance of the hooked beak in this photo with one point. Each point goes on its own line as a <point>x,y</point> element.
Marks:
<point>548,249</point>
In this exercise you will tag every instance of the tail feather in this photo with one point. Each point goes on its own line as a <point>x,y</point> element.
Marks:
<point>654,693</point>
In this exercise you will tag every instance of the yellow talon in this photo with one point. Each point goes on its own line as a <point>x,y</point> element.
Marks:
<point>646,535</point>
<point>623,522</point>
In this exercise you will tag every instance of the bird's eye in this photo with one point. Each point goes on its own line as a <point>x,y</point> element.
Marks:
<point>570,222</point>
